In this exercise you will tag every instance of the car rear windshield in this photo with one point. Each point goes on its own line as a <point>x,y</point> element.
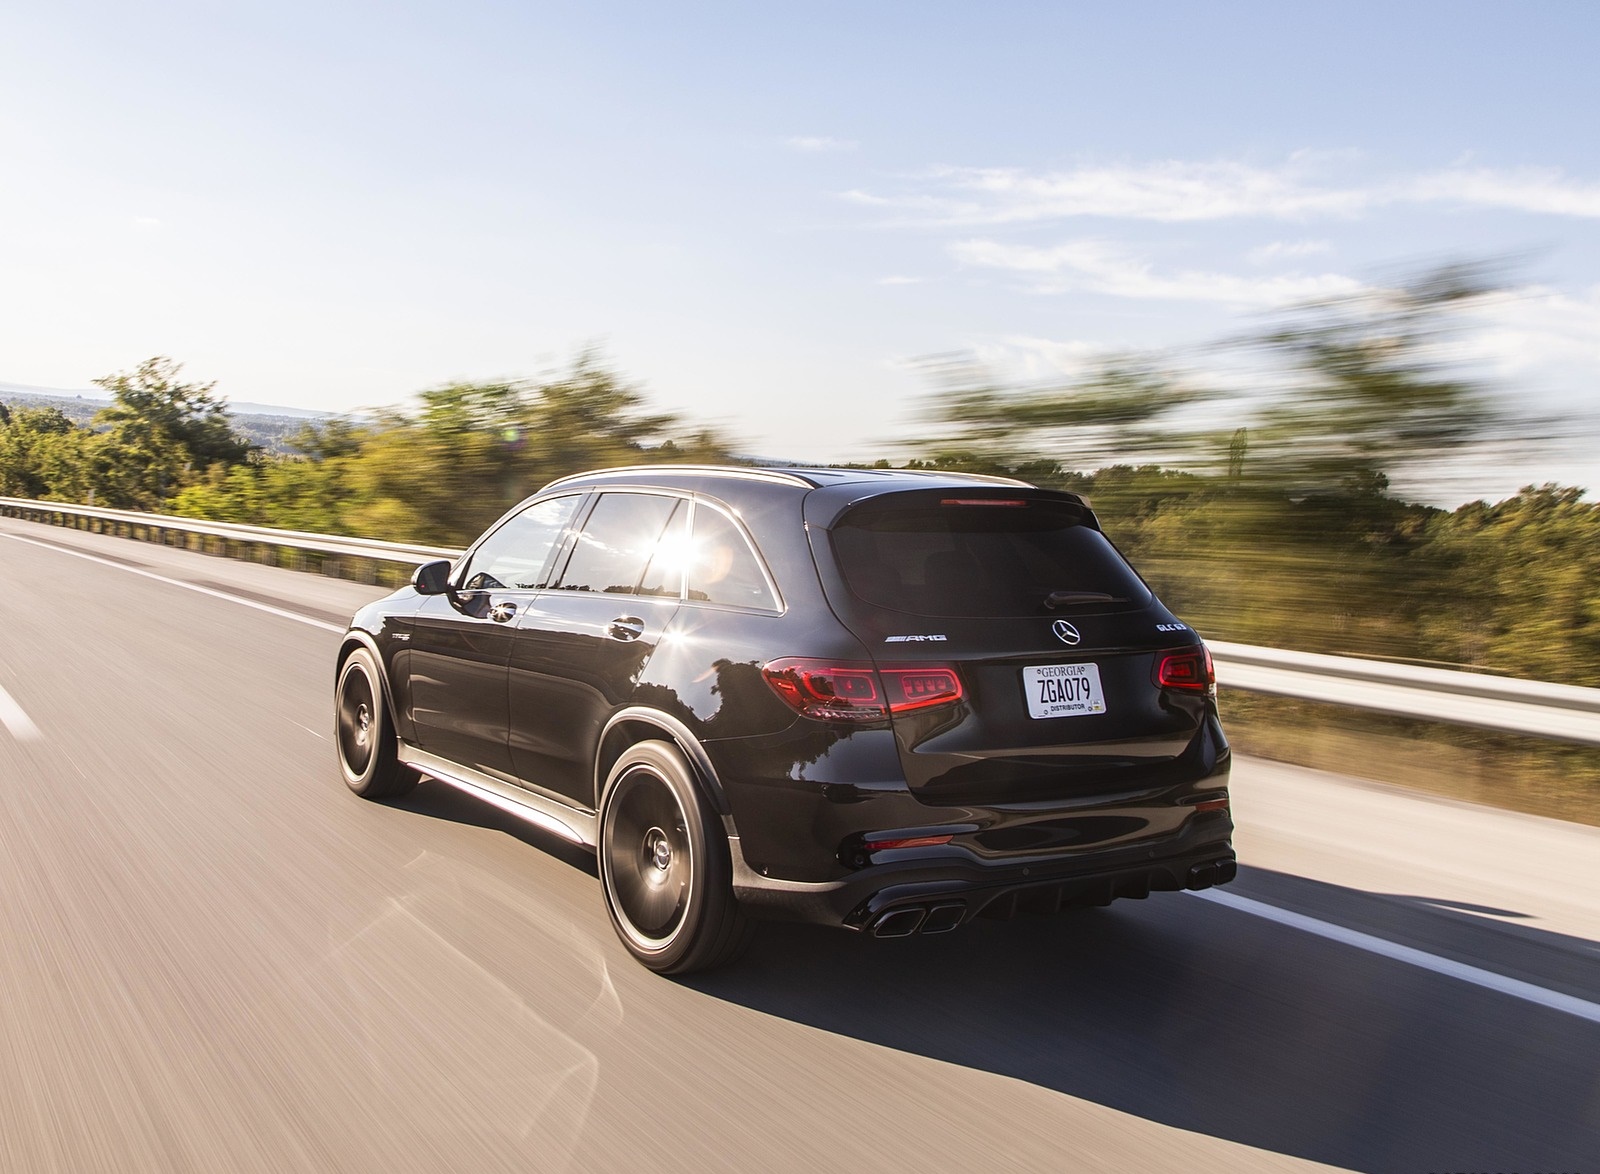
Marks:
<point>948,556</point>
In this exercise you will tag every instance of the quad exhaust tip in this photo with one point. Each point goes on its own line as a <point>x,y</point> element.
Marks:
<point>899,923</point>
<point>905,920</point>
<point>1215,872</point>
<point>902,923</point>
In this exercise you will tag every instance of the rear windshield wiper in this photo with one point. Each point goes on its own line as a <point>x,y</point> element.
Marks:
<point>1066,598</point>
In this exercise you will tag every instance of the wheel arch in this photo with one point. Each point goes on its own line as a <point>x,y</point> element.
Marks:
<point>353,639</point>
<point>639,723</point>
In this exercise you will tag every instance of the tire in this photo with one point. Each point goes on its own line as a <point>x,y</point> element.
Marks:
<point>363,733</point>
<point>664,866</point>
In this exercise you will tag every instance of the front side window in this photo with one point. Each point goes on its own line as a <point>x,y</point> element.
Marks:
<point>514,556</point>
<point>618,545</point>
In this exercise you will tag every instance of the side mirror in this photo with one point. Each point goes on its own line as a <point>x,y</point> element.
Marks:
<point>432,578</point>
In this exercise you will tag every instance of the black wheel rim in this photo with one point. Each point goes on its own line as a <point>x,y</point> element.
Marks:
<point>358,722</point>
<point>649,858</point>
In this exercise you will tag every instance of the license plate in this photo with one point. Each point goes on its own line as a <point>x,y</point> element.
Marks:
<point>1063,690</point>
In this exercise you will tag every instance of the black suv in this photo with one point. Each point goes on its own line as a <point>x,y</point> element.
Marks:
<point>887,700</point>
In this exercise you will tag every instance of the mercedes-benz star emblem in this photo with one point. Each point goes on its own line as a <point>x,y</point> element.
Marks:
<point>1065,632</point>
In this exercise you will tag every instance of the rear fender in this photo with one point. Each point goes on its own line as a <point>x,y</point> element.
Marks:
<point>625,728</point>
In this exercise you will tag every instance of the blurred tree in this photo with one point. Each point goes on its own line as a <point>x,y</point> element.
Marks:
<point>44,455</point>
<point>1123,407</point>
<point>1520,586</point>
<point>446,470</point>
<point>589,418</point>
<point>337,437</point>
<point>1373,386</point>
<point>160,435</point>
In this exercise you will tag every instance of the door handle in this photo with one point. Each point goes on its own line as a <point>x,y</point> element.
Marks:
<point>501,612</point>
<point>627,628</point>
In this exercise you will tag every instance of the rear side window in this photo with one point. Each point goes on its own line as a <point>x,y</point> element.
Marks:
<point>722,567</point>
<point>618,543</point>
<point>1025,557</point>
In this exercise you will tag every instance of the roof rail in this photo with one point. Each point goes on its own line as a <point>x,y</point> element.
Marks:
<point>939,474</point>
<point>780,476</point>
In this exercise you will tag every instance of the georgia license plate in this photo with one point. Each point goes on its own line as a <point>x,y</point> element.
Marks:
<point>1063,690</point>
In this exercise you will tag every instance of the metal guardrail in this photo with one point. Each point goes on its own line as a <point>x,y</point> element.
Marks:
<point>1569,713</point>
<point>1565,712</point>
<point>158,525</point>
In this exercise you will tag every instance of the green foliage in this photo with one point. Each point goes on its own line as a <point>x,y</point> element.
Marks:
<point>159,435</point>
<point>1523,583</point>
<point>443,472</point>
<point>44,455</point>
<point>1341,573</point>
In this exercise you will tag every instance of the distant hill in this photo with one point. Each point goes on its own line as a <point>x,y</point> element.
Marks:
<point>267,425</point>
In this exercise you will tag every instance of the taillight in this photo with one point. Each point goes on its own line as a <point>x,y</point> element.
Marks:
<point>827,690</point>
<point>920,687</point>
<point>854,691</point>
<point>1186,668</point>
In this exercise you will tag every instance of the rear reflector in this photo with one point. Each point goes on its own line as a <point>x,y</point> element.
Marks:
<point>1186,668</point>
<point>907,842</point>
<point>853,691</point>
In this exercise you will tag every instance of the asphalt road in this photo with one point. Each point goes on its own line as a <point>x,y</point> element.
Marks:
<point>214,958</point>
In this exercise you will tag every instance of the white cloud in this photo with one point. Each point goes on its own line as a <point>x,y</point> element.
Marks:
<point>1102,268</point>
<point>1545,191</point>
<point>1037,359</point>
<point>817,143</point>
<point>900,280</point>
<point>922,208</point>
<point>1178,191</point>
<point>1538,331</point>
<point>1168,191</point>
<point>1283,250</point>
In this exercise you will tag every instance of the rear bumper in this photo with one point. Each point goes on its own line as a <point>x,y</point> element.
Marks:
<point>942,889</point>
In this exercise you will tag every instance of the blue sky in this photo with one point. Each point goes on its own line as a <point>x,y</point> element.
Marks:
<point>766,214</point>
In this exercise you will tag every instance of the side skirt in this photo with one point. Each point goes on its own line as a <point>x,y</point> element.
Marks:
<point>570,823</point>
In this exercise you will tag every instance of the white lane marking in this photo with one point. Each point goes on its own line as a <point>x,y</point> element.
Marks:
<point>239,599</point>
<point>1487,979</point>
<point>16,719</point>
<point>308,730</point>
